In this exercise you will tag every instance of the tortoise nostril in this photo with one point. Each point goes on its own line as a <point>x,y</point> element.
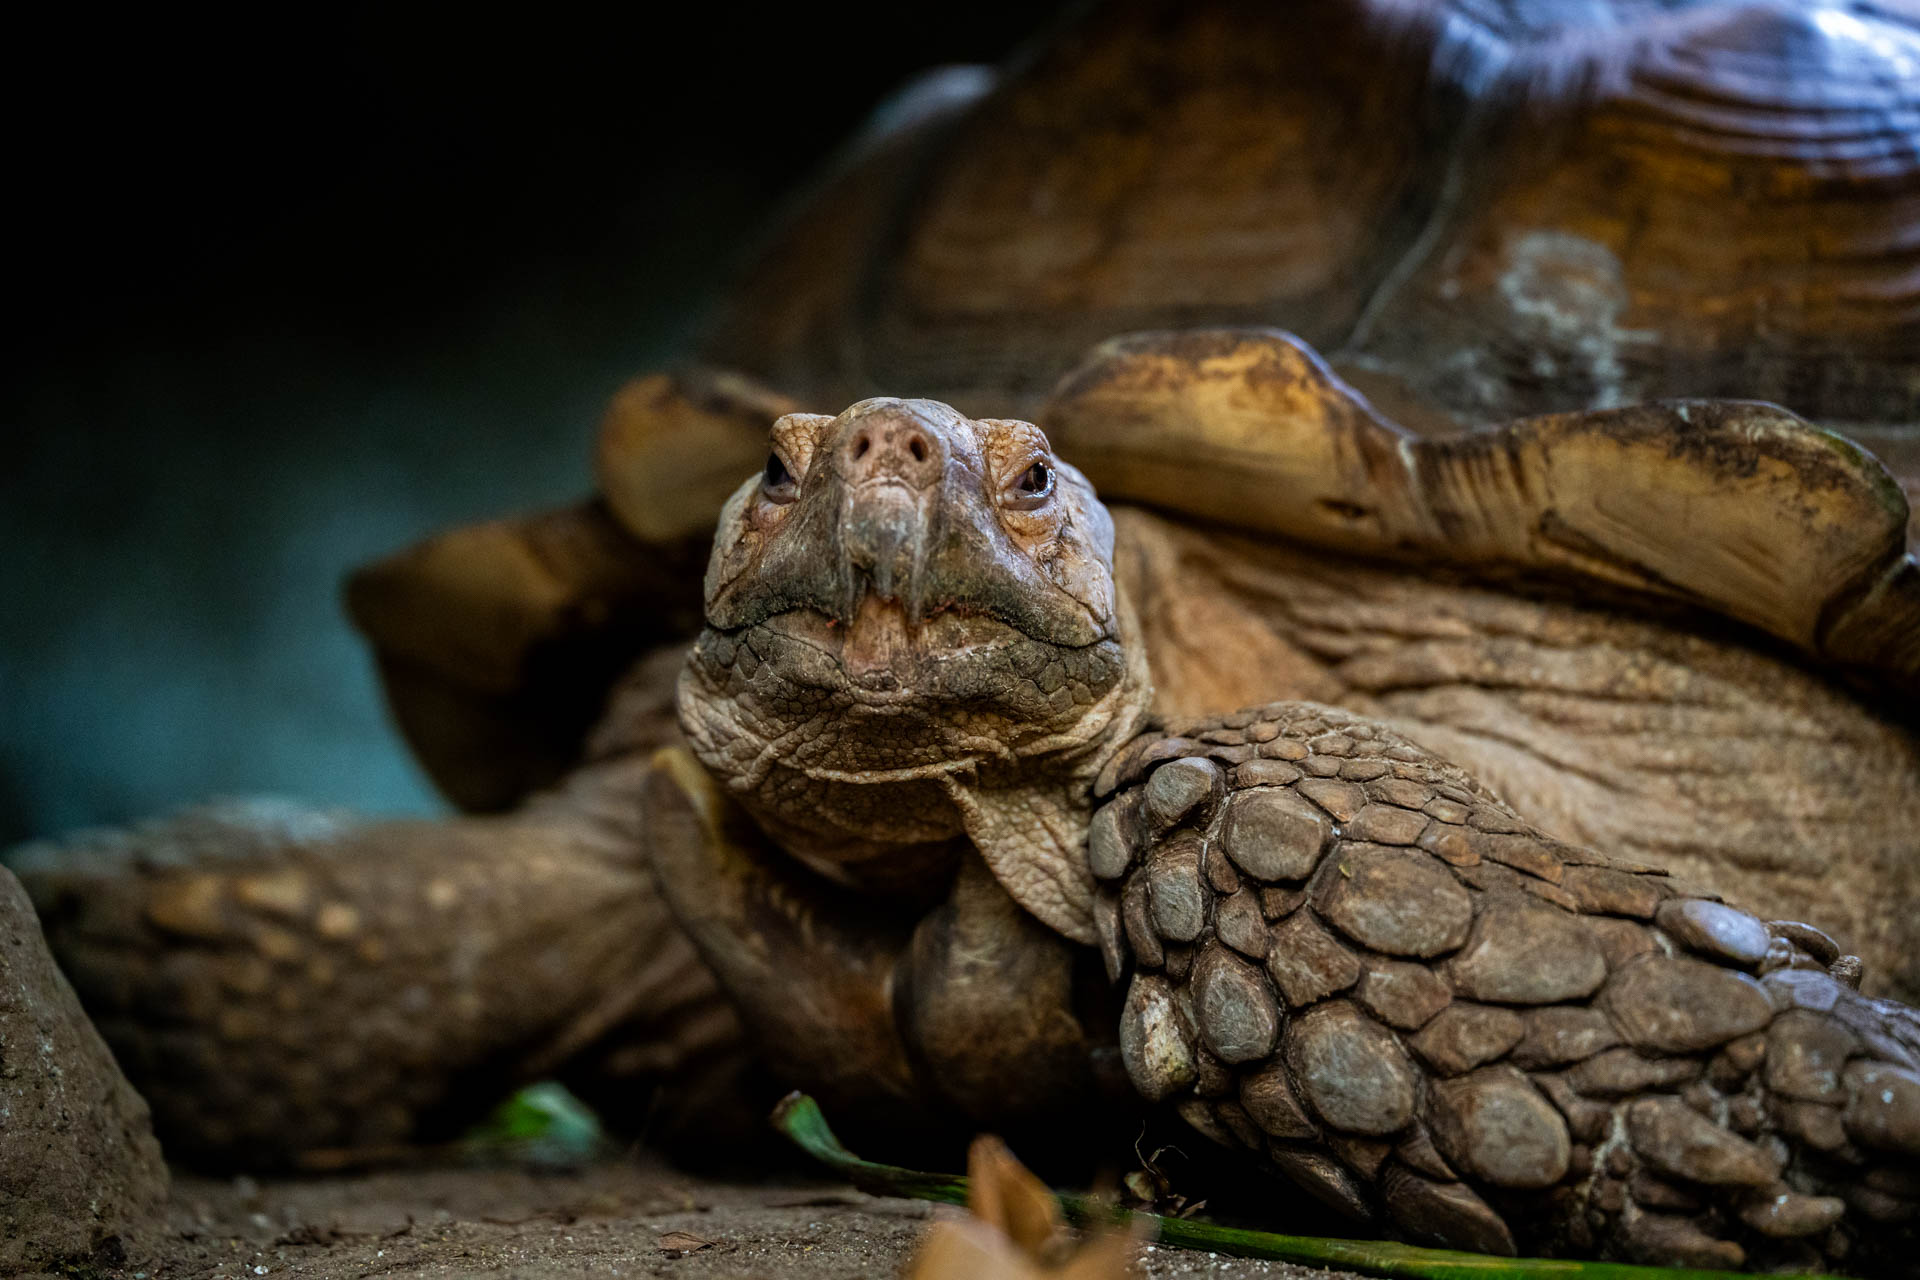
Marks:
<point>891,449</point>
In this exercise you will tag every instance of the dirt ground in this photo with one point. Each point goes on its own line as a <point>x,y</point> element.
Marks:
<point>613,1219</point>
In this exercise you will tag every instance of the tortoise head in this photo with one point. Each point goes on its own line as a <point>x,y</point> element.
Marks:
<point>912,628</point>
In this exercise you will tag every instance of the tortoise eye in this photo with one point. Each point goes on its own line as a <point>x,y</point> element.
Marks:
<point>777,483</point>
<point>1033,488</point>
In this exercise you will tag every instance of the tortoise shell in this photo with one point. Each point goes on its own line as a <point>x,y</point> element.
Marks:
<point>1478,210</point>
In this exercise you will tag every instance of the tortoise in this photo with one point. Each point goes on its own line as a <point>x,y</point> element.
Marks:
<point>976,799</point>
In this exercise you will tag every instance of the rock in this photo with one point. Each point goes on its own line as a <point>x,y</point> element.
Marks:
<point>1238,1018</point>
<point>1528,953</point>
<point>1267,1096</point>
<point>1676,1004</point>
<point>1272,834</point>
<point>1238,923</point>
<point>1805,1055</point>
<point>1352,1070</point>
<point>1715,930</point>
<point>1176,789</point>
<point>1447,811</point>
<point>1402,994</point>
<point>1558,1034</point>
<point>1464,1036</point>
<point>1680,1142</point>
<point>1363,770</point>
<point>1445,1214</point>
<point>80,1172</point>
<point>1175,900</point>
<point>1496,1126</point>
<point>1393,900</point>
<point>1884,1111</point>
<point>1155,1041</point>
<point>1308,963</point>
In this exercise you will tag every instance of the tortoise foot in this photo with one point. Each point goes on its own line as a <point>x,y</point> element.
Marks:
<point>1352,959</point>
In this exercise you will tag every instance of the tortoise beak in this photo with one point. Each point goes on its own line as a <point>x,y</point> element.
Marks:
<point>892,465</point>
<point>883,543</point>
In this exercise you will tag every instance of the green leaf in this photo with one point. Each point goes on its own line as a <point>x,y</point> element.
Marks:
<point>800,1119</point>
<point>541,1124</point>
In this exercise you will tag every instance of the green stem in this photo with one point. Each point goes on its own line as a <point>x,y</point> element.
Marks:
<point>799,1118</point>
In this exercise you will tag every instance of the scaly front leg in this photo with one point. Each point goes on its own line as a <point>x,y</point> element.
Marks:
<point>1351,959</point>
<point>963,1013</point>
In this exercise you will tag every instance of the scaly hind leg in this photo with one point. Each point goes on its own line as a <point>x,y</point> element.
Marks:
<point>281,981</point>
<point>1353,961</point>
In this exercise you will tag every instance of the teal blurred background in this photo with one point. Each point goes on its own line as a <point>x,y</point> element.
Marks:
<point>292,290</point>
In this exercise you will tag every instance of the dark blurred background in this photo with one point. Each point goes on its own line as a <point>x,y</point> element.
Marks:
<point>293,288</point>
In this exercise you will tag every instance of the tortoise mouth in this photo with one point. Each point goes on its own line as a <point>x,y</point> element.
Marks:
<point>883,650</point>
<point>956,665</point>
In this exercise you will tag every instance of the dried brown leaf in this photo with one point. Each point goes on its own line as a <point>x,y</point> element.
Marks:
<point>1003,1193</point>
<point>678,1244</point>
<point>1016,1231</point>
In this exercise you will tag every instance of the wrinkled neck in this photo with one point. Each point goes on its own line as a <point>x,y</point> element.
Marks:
<point>1022,800</point>
<point>1031,830</point>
